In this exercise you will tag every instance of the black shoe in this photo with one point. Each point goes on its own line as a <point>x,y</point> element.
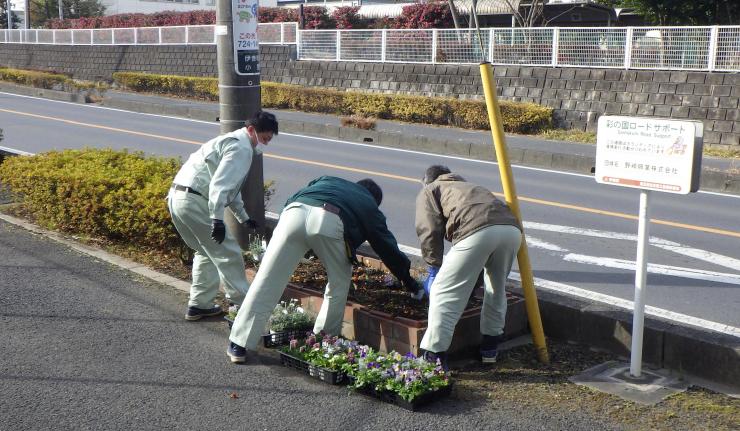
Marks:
<point>437,357</point>
<point>489,348</point>
<point>194,313</point>
<point>237,353</point>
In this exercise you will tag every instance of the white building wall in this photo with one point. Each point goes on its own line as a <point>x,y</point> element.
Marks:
<point>114,7</point>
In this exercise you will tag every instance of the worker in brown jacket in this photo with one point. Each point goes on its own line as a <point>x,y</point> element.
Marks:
<point>485,235</point>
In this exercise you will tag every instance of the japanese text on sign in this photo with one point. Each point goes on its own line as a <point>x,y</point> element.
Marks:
<point>246,41</point>
<point>648,153</point>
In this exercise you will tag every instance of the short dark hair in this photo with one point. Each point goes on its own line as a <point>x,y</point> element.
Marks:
<point>433,172</point>
<point>373,188</point>
<point>263,121</point>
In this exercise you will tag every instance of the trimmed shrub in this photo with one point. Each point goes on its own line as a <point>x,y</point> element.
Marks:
<point>359,122</point>
<point>181,86</point>
<point>111,194</point>
<point>470,114</point>
<point>35,79</point>
<point>417,109</point>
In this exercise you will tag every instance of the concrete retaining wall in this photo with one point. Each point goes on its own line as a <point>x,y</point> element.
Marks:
<point>579,96</point>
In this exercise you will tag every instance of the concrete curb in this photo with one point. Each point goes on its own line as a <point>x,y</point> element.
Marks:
<point>23,90</point>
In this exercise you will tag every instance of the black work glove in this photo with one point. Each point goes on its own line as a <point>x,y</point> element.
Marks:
<point>251,224</point>
<point>218,230</point>
<point>413,287</point>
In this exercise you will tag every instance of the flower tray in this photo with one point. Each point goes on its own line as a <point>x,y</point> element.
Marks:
<point>416,404</point>
<point>323,374</point>
<point>282,338</point>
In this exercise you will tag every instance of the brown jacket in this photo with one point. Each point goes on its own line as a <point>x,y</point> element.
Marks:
<point>453,209</point>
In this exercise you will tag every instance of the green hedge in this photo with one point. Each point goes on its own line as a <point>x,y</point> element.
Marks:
<point>34,78</point>
<point>471,114</point>
<point>104,193</point>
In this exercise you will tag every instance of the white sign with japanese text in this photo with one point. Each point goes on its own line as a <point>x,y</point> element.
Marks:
<point>246,42</point>
<point>649,153</point>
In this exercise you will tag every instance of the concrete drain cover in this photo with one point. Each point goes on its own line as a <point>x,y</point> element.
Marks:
<point>614,378</point>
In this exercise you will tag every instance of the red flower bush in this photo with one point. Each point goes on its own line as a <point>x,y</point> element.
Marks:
<point>346,17</point>
<point>425,15</point>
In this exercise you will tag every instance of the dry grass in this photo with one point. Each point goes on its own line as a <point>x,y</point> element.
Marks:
<point>364,123</point>
<point>520,380</point>
<point>577,136</point>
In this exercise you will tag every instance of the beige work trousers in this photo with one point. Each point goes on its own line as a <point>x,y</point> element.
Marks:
<point>492,249</point>
<point>212,262</point>
<point>300,228</point>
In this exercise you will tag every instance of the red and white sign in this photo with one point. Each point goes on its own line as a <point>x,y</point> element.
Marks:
<point>649,153</point>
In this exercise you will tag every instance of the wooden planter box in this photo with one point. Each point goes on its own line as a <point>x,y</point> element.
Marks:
<point>385,332</point>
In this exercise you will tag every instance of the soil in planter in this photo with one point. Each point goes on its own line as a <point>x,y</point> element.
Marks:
<point>371,287</point>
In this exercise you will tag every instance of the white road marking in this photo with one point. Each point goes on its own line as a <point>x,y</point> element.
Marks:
<point>613,300</point>
<point>654,268</point>
<point>543,245</point>
<point>703,255</point>
<point>629,305</point>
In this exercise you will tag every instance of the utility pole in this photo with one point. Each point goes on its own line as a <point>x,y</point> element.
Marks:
<point>61,11</point>
<point>237,48</point>
<point>27,16</point>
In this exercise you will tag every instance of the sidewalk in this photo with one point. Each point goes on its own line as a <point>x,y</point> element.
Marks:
<point>89,345</point>
<point>524,150</point>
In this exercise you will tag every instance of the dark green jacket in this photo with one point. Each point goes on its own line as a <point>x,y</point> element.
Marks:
<point>361,217</point>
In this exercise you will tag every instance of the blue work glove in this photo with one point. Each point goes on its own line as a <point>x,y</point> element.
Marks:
<point>251,224</point>
<point>218,230</point>
<point>432,274</point>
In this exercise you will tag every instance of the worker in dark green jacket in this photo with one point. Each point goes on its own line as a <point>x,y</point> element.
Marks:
<point>331,216</point>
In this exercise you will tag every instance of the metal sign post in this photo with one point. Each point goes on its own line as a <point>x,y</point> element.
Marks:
<point>648,154</point>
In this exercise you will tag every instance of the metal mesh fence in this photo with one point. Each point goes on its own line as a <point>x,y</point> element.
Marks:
<point>670,48</point>
<point>318,45</point>
<point>277,33</point>
<point>525,46</point>
<point>409,46</point>
<point>681,48</point>
<point>461,46</point>
<point>591,47</point>
<point>361,45</point>
<point>727,49</point>
<point>273,33</point>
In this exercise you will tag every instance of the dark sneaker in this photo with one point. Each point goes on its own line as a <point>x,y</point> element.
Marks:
<point>237,353</point>
<point>194,313</point>
<point>489,348</point>
<point>434,357</point>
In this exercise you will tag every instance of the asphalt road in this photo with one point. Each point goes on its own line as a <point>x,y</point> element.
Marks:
<point>89,346</point>
<point>582,235</point>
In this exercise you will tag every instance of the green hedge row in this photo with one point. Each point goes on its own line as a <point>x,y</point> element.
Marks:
<point>471,114</point>
<point>104,193</point>
<point>47,80</point>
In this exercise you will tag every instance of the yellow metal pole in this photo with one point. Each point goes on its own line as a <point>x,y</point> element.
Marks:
<point>507,180</point>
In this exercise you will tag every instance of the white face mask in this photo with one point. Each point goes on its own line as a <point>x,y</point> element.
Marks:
<point>260,147</point>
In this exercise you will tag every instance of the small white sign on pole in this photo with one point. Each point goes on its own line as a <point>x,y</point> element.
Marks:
<point>648,154</point>
<point>246,41</point>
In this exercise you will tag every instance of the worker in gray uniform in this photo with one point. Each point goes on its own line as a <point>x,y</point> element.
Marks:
<point>485,235</point>
<point>208,183</point>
